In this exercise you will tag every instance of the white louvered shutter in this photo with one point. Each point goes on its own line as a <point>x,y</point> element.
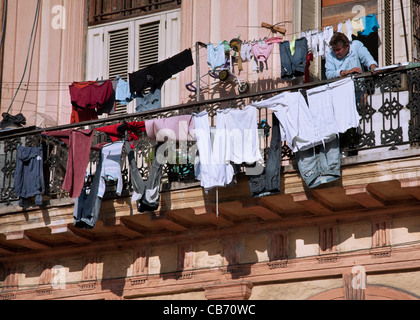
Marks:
<point>118,59</point>
<point>148,44</point>
<point>118,54</point>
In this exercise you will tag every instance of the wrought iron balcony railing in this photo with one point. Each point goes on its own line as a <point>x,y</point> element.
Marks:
<point>388,103</point>
<point>101,11</point>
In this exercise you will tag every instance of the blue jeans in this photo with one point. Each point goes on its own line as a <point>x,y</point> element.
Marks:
<point>87,206</point>
<point>149,101</point>
<point>293,66</point>
<point>269,181</point>
<point>321,164</point>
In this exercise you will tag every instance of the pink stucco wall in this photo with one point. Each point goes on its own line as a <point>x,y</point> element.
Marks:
<point>54,62</point>
<point>214,20</point>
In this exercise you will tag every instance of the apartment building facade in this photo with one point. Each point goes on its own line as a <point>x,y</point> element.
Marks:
<point>356,238</point>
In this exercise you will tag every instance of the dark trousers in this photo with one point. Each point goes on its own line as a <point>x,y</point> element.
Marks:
<point>29,175</point>
<point>149,190</point>
<point>269,181</point>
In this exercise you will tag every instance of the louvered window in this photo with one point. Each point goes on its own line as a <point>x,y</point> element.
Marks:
<point>118,49</point>
<point>148,44</point>
<point>118,54</point>
<point>309,19</point>
<point>118,59</point>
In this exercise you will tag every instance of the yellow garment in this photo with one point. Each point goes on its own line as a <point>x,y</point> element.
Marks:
<point>292,45</point>
<point>344,29</point>
<point>357,25</point>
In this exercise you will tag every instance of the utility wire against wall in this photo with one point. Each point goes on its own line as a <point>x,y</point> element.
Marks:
<point>36,19</point>
<point>3,28</point>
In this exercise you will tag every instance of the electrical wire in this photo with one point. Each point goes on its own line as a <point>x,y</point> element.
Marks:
<point>30,68</point>
<point>36,19</point>
<point>3,28</point>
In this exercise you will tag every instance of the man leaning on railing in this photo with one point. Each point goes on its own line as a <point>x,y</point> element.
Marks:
<point>347,57</point>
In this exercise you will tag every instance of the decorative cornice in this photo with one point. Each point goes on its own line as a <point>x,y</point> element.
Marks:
<point>184,275</point>
<point>137,281</point>
<point>44,290</point>
<point>229,291</point>
<point>327,258</point>
<point>87,285</point>
<point>8,296</point>
<point>383,252</point>
<point>277,264</point>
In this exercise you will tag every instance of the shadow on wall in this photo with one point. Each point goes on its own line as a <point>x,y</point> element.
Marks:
<point>229,88</point>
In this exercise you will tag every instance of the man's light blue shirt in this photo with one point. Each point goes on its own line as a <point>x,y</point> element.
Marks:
<point>358,55</point>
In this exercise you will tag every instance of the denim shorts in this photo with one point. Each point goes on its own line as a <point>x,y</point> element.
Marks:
<point>321,164</point>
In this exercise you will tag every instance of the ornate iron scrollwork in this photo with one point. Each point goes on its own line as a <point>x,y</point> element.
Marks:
<point>364,89</point>
<point>392,132</point>
<point>414,105</point>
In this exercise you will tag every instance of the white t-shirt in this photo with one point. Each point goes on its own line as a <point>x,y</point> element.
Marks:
<point>301,127</point>
<point>339,98</point>
<point>212,170</point>
<point>239,141</point>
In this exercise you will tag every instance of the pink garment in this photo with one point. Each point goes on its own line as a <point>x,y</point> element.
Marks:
<point>179,128</point>
<point>261,51</point>
<point>79,143</point>
<point>274,40</point>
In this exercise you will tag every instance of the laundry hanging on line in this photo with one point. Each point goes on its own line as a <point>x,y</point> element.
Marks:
<point>88,204</point>
<point>255,51</point>
<point>92,98</point>
<point>156,74</point>
<point>29,176</point>
<point>318,139</point>
<point>318,40</point>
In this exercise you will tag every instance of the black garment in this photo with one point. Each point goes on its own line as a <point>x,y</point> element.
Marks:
<point>137,181</point>
<point>371,42</point>
<point>151,196</point>
<point>156,74</point>
<point>12,121</point>
<point>149,190</point>
<point>29,175</point>
<point>269,181</point>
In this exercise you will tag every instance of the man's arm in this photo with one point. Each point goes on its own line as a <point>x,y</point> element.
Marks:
<point>351,71</point>
<point>364,55</point>
<point>331,70</point>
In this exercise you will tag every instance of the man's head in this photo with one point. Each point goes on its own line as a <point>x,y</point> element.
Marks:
<point>340,44</point>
